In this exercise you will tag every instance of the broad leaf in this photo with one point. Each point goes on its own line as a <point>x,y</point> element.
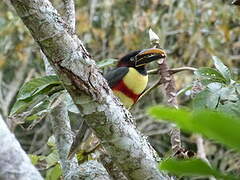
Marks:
<point>54,173</point>
<point>222,68</point>
<point>36,85</point>
<point>210,75</point>
<point>22,105</point>
<point>229,107</point>
<point>214,125</point>
<point>29,100</point>
<point>205,99</point>
<point>191,167</point>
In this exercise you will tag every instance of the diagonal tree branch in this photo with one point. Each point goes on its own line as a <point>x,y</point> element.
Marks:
<point>61,123</point>
<point>104,114</point>
<point>69,15</point>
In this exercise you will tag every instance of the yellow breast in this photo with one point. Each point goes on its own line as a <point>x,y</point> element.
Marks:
<point>135,81</point>
<point>127,101</point>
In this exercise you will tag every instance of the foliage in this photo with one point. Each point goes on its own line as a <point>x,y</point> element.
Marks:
<point>191,31</point>
<point>192,167</point>
<point>49,163</point>
<point>206,122</point>
<point>219,93</point>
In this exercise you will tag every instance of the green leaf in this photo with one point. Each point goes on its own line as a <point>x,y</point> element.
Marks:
<point>180,117</point>
<point>205,99</point>
<point>210,75</point>
<point>106,62</point>
<point>185,90</point>
<point>191,167</point>
<point>222,68</point>
<point>231,108</point>
<point>54,173</point>
<point>34,158</point>
<point>36,85</point>
<point>29,100</point>
<point>214,125</point>
<point>53,158</point>
<point>22,105</point>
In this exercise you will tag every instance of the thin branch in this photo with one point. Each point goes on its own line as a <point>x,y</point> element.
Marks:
<point>63,136</point>
<point>156,84</point>
<point>169,85</point>
<point>159,82</point>
<point>170,90</point>
<point>173,70</point>
<point>69,15</point>
<point>201,151</point>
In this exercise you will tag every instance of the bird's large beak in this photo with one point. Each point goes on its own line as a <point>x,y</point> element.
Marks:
<point>149,55</point>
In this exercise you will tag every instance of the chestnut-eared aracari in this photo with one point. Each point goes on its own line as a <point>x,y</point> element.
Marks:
<point>128,81</point>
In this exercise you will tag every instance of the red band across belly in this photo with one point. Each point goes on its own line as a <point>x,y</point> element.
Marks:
<point>121,86</point>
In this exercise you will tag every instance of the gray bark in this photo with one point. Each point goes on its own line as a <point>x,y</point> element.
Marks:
<point>14,162</point>
<point>62,128</point>
<point>104,114</point>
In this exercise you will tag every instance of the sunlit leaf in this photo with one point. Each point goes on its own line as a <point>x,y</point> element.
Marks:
<point>28,99</point>
<point>191,167</point>
<point>222,68</point>
<point>214,125</point>
<point>34,158</point>
<point>210,74</point>
<point>54,173</point>
<point>36,85</point>
<point>206,99</point>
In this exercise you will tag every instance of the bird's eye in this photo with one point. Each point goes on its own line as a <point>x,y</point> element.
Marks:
<point>132,59</point>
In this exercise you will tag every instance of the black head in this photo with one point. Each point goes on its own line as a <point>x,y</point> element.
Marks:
<point>140,58</point>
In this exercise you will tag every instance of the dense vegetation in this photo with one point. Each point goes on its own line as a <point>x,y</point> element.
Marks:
<point>194,33</point>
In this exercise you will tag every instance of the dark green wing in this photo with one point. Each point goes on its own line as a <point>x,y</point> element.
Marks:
<point>115,75</point>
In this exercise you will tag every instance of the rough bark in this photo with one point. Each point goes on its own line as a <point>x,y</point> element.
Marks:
<point>14,162</point>
<point>104,114</point>
<point>63,137</point>
<point>170,91</point>
<point>90,170</point>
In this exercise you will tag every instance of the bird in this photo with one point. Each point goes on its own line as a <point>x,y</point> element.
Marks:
<point>128,80</point>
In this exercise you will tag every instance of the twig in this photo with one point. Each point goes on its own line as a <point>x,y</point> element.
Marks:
<point>156,84</point>
<point>170,90</point>
<point>173,70</point>
<point>156,71</point>
<point>201,151</point>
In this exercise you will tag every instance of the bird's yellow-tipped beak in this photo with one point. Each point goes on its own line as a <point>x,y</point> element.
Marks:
<point>149,55</point>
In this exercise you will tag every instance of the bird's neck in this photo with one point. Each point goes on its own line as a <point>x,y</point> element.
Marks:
<point>142,70</point>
